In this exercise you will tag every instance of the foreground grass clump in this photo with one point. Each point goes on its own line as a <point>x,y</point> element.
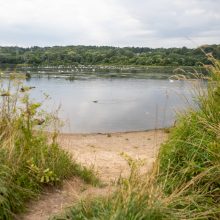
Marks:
<point>190,160</point>
<point>185,180</point>
<point>28,160</point>
<point>135,198</point>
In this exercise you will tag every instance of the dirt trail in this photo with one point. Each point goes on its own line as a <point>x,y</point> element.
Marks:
<point>102,151</point>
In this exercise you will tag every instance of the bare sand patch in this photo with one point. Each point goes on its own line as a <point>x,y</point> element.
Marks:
<point>103,153</point>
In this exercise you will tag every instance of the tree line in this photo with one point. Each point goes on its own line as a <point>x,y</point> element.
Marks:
<point>105,55</point>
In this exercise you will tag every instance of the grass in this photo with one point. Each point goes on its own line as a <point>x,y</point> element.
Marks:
<point>28,160</point>
<point>185,180</point>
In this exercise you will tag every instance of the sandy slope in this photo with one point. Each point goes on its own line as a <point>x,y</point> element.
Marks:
<point>103,152</point>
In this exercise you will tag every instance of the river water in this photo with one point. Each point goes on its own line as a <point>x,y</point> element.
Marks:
<point>113,105</point>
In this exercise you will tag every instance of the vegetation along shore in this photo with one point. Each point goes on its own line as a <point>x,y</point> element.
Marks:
<point>104,55</point>
<point>115,176</point>
<point>28,161</point>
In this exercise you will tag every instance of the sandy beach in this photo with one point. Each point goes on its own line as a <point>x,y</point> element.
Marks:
<point>103,153</point>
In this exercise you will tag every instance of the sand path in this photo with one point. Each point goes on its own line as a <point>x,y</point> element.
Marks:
<point>103,153</point>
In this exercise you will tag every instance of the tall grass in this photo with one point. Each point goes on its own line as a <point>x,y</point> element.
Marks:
<point>185,180</point>
<point>28,160</point>
<point>189,163</point>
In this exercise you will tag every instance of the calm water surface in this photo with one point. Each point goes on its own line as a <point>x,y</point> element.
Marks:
<point>111,105</point>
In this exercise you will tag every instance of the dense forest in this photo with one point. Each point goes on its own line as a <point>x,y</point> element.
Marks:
<point>104,55</point>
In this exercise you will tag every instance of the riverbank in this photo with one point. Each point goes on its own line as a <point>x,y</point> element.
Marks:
<point>102,152</point>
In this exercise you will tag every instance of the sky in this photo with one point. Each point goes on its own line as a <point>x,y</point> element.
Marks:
<point>142,23</point>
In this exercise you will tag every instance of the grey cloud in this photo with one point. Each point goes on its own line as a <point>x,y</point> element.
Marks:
<point>152,23</point>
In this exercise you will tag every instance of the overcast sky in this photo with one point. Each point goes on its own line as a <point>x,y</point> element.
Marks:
<point>145,23</point>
